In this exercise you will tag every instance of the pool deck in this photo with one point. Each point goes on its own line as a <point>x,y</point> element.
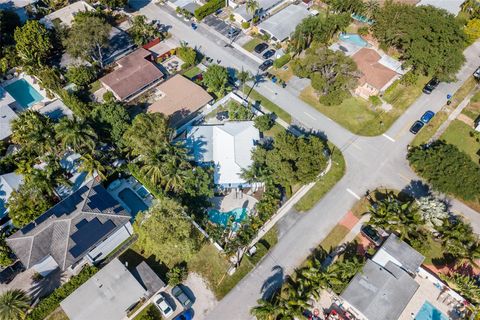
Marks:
<point>234,200</point>
<point>132,184</point>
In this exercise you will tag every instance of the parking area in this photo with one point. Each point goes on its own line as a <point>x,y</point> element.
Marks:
<point>221,26</point>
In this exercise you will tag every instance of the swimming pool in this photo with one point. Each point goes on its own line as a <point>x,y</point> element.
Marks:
<point>354,39</point>
<point>24,93</point>
<point>133,201</point>
<point>429,312</point>
<point>222,218</point>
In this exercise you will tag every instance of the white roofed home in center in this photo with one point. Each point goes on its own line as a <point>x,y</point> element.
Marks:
<point>228,146</point>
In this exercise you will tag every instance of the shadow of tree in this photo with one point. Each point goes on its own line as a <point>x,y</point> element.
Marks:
<point>273,283</point>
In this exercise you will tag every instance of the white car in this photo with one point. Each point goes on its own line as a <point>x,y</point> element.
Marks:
<point>162,305</point>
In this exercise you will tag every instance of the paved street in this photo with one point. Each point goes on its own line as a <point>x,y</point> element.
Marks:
<point>371,162</point>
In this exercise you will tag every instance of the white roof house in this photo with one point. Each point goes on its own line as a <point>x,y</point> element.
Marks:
<point>243,14</point>
<point>66,14</point>
<point>276,25</point>
<point>228,146</point>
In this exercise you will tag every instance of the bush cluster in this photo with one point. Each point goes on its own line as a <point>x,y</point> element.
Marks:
<point>209,8</point>
<point>283,60</point>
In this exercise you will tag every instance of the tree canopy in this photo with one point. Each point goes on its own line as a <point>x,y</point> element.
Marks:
<point>141,31</point>
<point>33,43</point>
<point>429,39</point>
<point>111,120</point>
<point>216,79</point>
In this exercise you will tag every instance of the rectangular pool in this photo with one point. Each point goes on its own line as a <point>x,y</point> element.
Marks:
<point>429,312</point>
<point>24,93</point>
<point>133,201</point>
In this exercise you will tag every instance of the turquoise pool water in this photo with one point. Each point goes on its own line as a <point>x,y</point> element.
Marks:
<point>24,93</point>
<point>133,201</point>
<point>429,312</point>
<point>222,218</point>
<point>354,39</point>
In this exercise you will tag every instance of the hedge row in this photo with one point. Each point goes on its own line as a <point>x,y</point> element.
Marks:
<point>209,8</point>
<point>50,303</point>
<point>283,60</point>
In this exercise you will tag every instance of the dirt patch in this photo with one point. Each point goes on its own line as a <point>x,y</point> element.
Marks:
<point>467,120</point>
<point>205,300</point>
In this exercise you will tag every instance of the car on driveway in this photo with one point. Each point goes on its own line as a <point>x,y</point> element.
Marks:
<point>427,116</point>
<point>181,296</point>
<point>10,272</point>
<point>476,74</point>
<point>259,48</point>
<point>162,304</point>
<point>430,86</point>
<point>371,234</point>
<point>268,54</point>
<point>266,64</point>
<point>186,315</point>
<point>417,126</point>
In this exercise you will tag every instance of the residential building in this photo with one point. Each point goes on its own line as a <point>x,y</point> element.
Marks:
<point>66,14</point>
<point>276,27</point>
<point>9,182</point>
<point>228,147</point>
<point>111,292</point>
<point>82,228</point>
<point>134,73</point>
<point>241,14</point>
<point>180,99</point>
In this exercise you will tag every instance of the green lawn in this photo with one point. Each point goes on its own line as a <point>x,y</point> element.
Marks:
<point>250,45</point>
<point>192,72</point>
<point>434,254</point>
<point>325,183</point>
<point>276,129</point>
<point>473,109</point>
<point>149,313</point>
<point>95,86</point>
<point>401,96</point>
<point>430,129</point>
<point>335,237</point>
<point>254,95</point>
<point>458,133</point>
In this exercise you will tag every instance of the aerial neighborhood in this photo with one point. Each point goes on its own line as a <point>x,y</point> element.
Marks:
<point>239,159</point>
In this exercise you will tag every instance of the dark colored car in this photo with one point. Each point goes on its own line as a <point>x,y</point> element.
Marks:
<point>268,54</point>
<point>430,86</point>
<point>186,315</point>
<point>259,48</point>
<point>417,126</point>
<point>181,296</point>
<point>371,234</point>
<point>266,64</point>
<point>427,116</point>
<point>9,273</point>
<point>476,74</point>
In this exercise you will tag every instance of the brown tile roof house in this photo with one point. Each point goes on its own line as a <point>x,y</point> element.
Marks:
<point>134,73</point>
<point>180,99</point>
<point>373,72</point>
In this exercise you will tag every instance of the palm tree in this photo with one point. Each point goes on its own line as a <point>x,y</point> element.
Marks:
<point>371,7</point>
<point>252,6</point>
<point>33,132</point>
<point>14,305</point>
<point>244,76</point>
<point>265,310</point>
<point>75,134</point>
<point>91,165</point>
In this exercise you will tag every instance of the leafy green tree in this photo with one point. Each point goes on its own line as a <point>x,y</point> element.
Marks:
<point>244,76</point>
<point>8,58</point>
<point>5,252</point>
<point>167,233</point>
<point>264,122</point>
<point>112,4</point>
<point>188,55</point>
<point>33,132</point>
<point>91,164</point>
<point>14,304</point>
<point>447,169</point>
<point>88,38</point>
<point>265,310</point>
<point>141,31</point>
<point>459,240</point>
<point>33,44</point>
<point>49,79</point>
<point>349,6</point>
<point>216,79</point>
<point>177,274</point>
<point>238,112</point>
<point>252,6</point>
<point>111,121</point>
<point>429,39</point>
<point>472,30</point>
<point>75,134</point>
<point>466,286</point>
<point>81,75</point>
<point>147,132</point>
<point>26,204</point>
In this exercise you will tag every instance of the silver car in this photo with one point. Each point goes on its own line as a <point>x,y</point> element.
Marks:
<point>163,305</point>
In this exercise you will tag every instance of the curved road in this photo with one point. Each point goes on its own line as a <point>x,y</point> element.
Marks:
<point>371,162</point>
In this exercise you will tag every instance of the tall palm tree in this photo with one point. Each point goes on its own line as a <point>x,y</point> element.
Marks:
<point>91,165</point>
<point>33,132</point>
<point>14,305</point>
<point>252,6</point>
<point>264,310</point>
<point>76,134</point>
<point>244,76</point>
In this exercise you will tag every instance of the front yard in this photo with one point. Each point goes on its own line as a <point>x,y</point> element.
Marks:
<point>460,134</point>
<point>250,45</point>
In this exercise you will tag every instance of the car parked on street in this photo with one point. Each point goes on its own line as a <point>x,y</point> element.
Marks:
<point>259,48</point>
<point>266,64</point>
<point>427,116</point>
<point>186,315</point>
<point>181,296</point>
<point>268,54</point>
<point>430,86</point>
<point>416,127</point>
<point>371,234</point>
<point>233,32</point>
<point>162,304</point>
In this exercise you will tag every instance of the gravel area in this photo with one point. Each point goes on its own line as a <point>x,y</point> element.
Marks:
<point>205,300</point>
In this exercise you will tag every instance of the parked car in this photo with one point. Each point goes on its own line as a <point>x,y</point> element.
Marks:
<point>162,304</point>
<point>417,126</point>
<point>186,315</point>
<point>10,272</point>
<point>194,26</point>
<point>427,116</point>
<point>266,64</point>
<point>268,54</point>
<point>476,74</point>
<point>232,32</point>
<point>371,234</point>
<point>180,295</point>
<point>430,86</point>
<point>259,48</point>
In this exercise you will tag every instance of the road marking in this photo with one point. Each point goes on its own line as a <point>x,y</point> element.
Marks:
<point>388,137</point>
<point>308,114</point>
<point>353,194</point>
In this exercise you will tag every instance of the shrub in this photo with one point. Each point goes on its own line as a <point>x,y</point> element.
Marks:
<point>363,31</point>
<point>245,24</point>
<point>209,8</point>
<point>283,60</point>
<point>108,96</point>
<point>264,122</point>
<point>237,112</point>
<point>81,75</point>
<point>375,100</point>
<point>78,107</point>
<point>50,303</point>
<point>177,274</point>
<point>409,78</point>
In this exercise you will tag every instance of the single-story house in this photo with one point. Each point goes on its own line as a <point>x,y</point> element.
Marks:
<point>9,182</point>
<point>66,14</point>
<point>386,284</point>
<point>110,293</point>
<point>134,73</point>
<point>275,25</point>
<point>180,99</point>
<point>164,49</point>
<point>189,5</point>
<point>84,227</point>
<point>452,6</point>
<point>241,14</point>
<point>228,146</point>
<point>377,72</point>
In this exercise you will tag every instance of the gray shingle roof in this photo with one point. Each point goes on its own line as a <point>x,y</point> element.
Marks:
<point>71,228</point>
<point>276,25</point>
<point>148,278</point>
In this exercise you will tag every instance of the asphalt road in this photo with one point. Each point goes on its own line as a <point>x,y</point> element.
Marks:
<point>371,162</point>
